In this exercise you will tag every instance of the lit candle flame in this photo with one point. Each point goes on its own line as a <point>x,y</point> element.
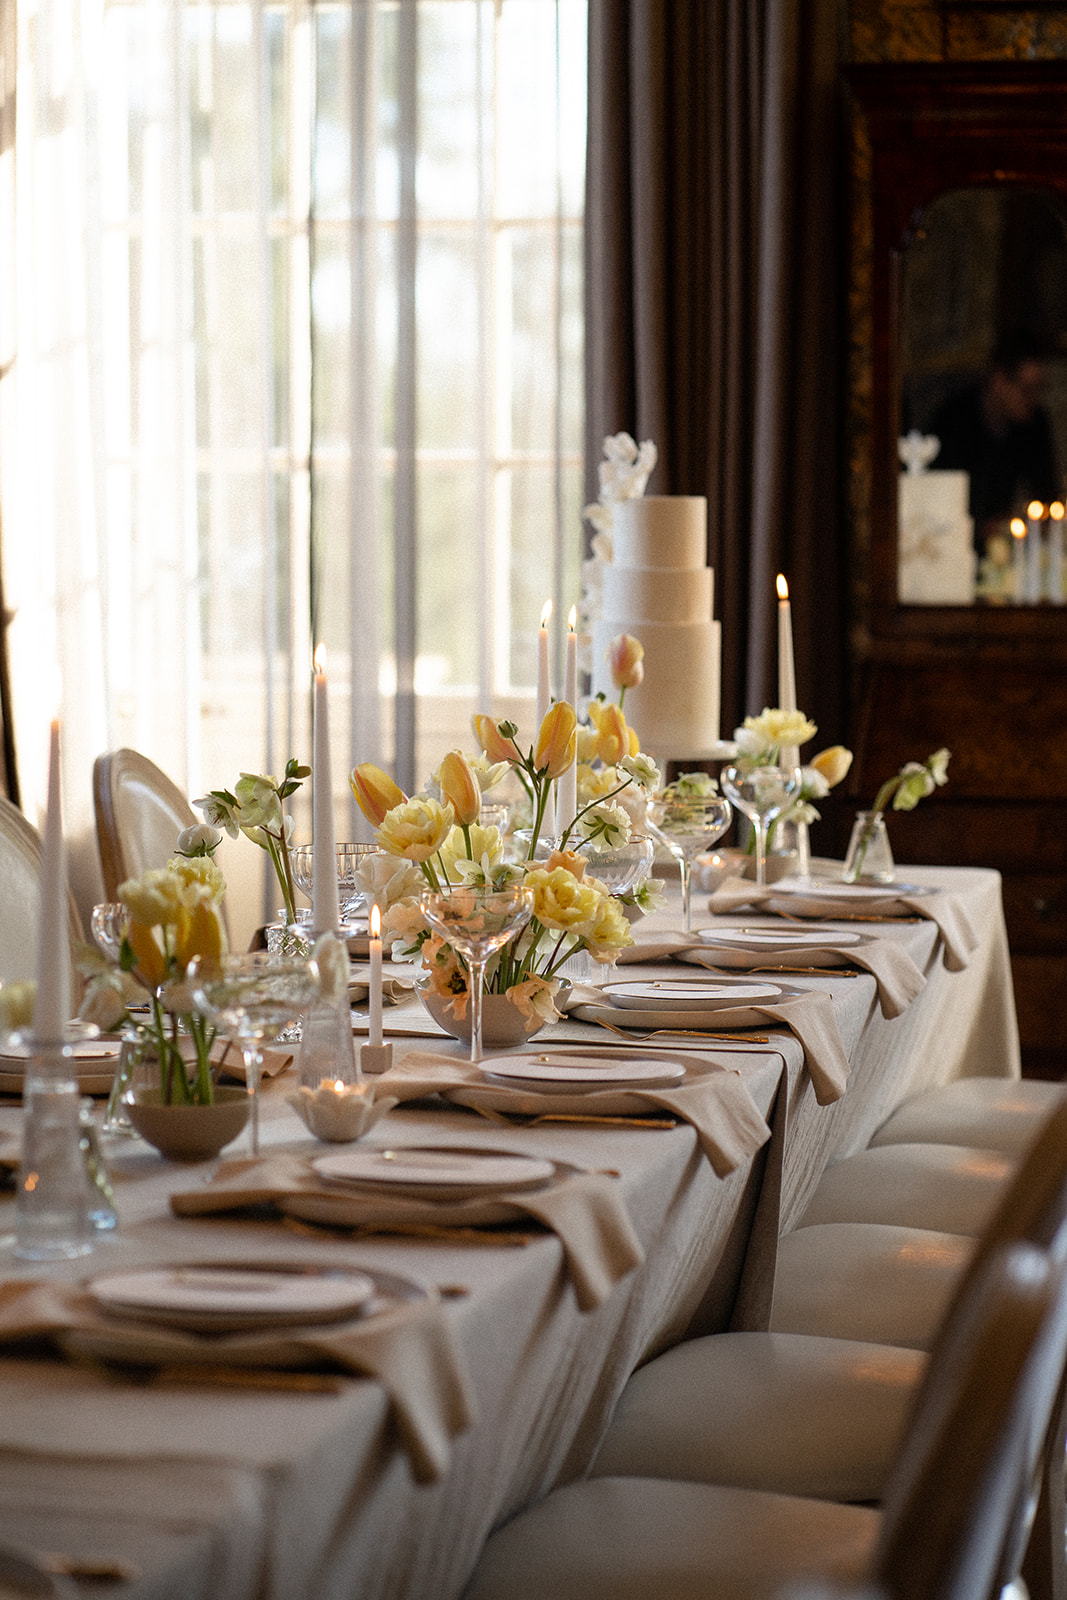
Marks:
<point>1055,510</point>
<point>546,612</point>
<point>1035,510</point>
<point>375,922</point>
<point>782,587</point>
<point>572,618</point>
<point>1018,528</point>
<point>320,660</point>
<point>339,1086</point>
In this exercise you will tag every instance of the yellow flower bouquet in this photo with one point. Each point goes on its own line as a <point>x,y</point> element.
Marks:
<point>438,839</point>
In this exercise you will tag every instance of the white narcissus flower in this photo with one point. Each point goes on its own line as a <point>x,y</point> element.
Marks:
<point>607,825</point>
<point>643,770</point>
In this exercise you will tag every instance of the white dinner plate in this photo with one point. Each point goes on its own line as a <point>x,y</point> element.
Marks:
<point>232,1297</point>
<point>849,891</point>
<point>778,939</point>
<point>92,1064</point>
<point>562,1073</point>
<point>688,994</point>
<point>435,1172</point>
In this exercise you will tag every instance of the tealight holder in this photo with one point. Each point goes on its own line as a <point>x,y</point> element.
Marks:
<point>339,1113</point>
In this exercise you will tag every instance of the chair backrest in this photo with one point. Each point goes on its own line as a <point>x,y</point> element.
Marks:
<point>963,1482</point>
<point>20,875</point>
<point>139,815</point>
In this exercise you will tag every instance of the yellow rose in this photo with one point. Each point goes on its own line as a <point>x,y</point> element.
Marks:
<point>561,900</point>
<point>415,830</point>
<point>199,872</point>
<point>610,931</point>
<point>779,728</point>
<point>155,898</point>
<point>586,747</point>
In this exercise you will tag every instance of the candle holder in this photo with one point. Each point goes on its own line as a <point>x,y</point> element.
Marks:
<point>51,1209</point>
<point>339,1113</point>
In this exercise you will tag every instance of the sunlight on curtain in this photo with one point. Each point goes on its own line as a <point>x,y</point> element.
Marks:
<point>295,353</point>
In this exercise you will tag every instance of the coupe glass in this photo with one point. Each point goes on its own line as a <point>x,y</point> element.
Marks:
<point>110,920</point>
<point>622,866</point>
<point>349,858</point>
<point>762,793</point>
<point>688,825</point>
<point>252,997</point>
<point>475,922</point>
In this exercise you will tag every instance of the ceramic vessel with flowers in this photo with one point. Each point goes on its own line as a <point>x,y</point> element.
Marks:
<point>436,839</point>
<point>174,916</point>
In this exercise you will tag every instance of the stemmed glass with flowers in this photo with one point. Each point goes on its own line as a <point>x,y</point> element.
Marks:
<point>253,997</point>
<point>477,920</point>
<point>689,817</point>
<point>763,792</point>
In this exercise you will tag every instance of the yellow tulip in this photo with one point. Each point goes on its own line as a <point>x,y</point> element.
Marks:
<point>488,735</point>
<point>375,791</point>
<point>612,734</point>
<point>833,763</point>
<point>151,966</point>
<point>557,739</point>
<point>460,787</point>
<point>199,934</point>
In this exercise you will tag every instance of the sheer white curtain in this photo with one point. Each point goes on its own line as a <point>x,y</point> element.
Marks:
<point>291,350</point>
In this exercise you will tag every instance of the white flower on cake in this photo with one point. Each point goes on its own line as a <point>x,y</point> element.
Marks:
<point>623,474</point>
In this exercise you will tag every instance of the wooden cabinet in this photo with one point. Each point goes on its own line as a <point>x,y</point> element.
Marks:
<point>987,680</point>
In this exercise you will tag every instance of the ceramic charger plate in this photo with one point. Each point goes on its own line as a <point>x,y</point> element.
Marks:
<point>435,1172</point>
<point>229,1299</point>
<point>689,994</point>
<point>559,1073</point>
<point>850,891</point>
<point>757,940</point>
<point>93,1063</point>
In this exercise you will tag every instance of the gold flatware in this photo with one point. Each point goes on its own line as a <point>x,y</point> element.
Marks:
<point>681,1033</point>
<point>181,1375</point>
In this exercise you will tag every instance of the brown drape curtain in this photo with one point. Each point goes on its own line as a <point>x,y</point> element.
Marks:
<point>713,311</point>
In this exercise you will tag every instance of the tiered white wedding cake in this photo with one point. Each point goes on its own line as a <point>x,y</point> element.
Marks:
<point>937,557</point>
<point>659,587</point>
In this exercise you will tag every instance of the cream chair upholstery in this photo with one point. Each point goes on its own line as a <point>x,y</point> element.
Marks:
<point>987,1113</point>
<point>956,1507</point>
<point>20,873</point>
<point>815,1411</point>
<point>139,815</point>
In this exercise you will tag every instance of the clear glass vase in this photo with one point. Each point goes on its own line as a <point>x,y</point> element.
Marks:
<point>869,858</point>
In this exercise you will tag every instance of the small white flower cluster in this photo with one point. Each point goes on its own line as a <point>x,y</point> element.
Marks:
<point>623,474</point>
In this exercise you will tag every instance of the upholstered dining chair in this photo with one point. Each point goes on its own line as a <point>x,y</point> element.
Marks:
<point>819,1413</point>
<point>955,1513</point>
<point>139,815</point>
<point>20,873</point>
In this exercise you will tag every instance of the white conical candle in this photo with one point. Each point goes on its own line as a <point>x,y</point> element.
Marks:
<point>568,783</point>
<point>52,1009</point>
<point>325,902</point>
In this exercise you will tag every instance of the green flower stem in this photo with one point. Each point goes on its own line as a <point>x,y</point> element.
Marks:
<point>866,836</point>
<point>466,832</point>
<point>541,790</point>
<point>280,861</point>
<point>885,794</point>
<point>591,805</point>
<point>430,875</point>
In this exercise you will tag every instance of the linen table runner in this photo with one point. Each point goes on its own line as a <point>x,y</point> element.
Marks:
<point>407,1346</point>
<point>948,914</point>
<point>582,1208</point>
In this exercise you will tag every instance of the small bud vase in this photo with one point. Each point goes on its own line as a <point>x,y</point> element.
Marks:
<point>869,858</point>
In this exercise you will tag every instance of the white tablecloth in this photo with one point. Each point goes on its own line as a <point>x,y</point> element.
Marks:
<point>308,1496</point>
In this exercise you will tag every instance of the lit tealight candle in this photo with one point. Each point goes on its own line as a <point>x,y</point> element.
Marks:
<point>325,903</point>
<point>375,976</point>
<point>338,1111</point>
<point>52,1008</point>
<point>1018,564</point>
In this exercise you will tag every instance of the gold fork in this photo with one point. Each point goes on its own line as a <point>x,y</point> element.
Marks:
<point>685,1033</point>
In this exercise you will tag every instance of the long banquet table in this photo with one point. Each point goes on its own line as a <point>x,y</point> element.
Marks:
<point>260,1492</point>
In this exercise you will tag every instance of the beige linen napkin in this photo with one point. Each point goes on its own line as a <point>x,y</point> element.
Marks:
<point>712,1097</point>
<point>407,1346</point>
<point>810,1017</point>
<point>946,911</point>
<point>583,1208</point>
<point>898,978</point>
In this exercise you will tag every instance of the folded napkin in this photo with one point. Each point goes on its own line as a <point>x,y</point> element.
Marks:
<point>948,914</point>
<point>712,1097</point>
<point>407,1346</point>
<point>898,978</point>
<point>226,1058</point>
<point>810,1017</point>
<point>582,1208</point>
<point>394,990</point>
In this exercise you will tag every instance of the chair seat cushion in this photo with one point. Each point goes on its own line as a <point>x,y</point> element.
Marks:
<point>784,1412</point>
<point>648,1539</point>
<point>947,1187</point>
<point>867,1281</point>
<point>989,1113</point>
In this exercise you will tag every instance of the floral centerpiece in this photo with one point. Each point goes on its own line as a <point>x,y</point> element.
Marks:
<point>436,839</point>
<point>760,741</point>
<point>256,808</point>
<point>173,917</point>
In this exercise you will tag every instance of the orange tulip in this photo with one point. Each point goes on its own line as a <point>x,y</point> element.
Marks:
<point>375,791</point>
<point>460,787</point>
<point>557,739</point>
<point>624,657</point>
<point>488,735</point>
